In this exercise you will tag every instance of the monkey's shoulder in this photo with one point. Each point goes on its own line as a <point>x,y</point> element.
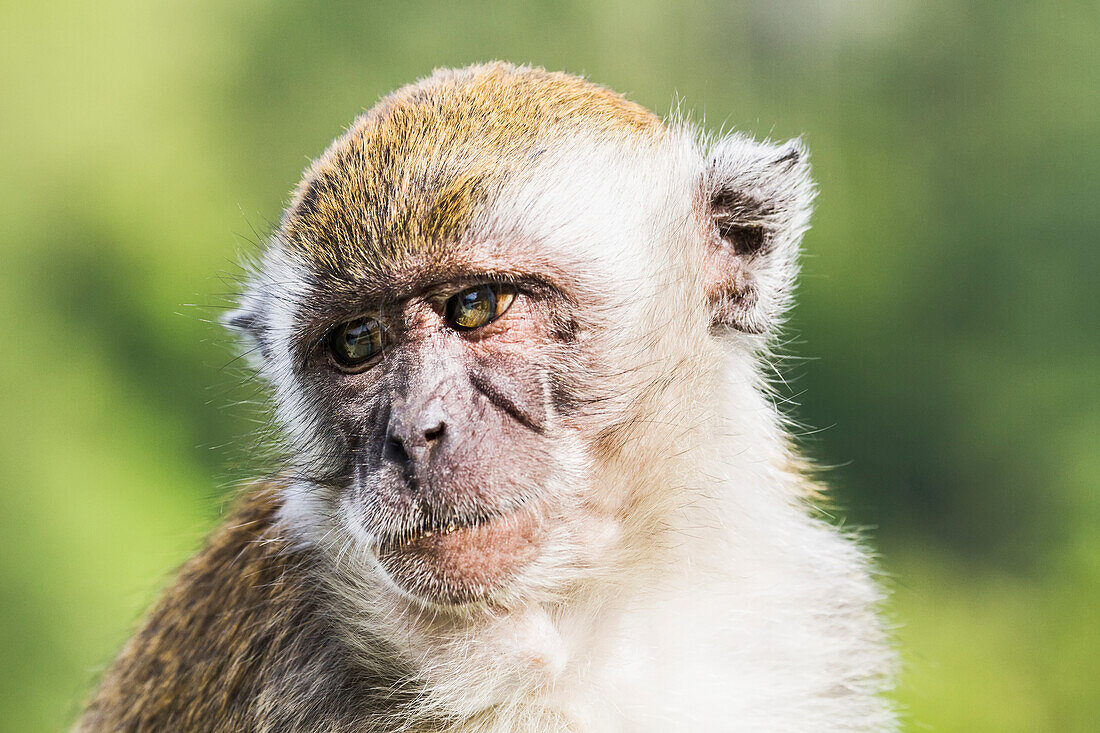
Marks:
<point>239,641</point>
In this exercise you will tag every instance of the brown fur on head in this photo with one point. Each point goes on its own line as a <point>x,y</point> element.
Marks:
<point>410,174</point>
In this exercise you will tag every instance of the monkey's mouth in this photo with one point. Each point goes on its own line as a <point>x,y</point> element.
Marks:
<point>462,561</point>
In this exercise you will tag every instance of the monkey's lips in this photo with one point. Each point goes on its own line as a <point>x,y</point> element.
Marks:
<point>460,563</point>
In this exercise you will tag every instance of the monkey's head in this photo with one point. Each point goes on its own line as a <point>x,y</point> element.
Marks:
<point>496,311</point>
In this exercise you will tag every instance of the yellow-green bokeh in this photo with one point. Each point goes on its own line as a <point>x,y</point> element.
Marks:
<point>948,301</point>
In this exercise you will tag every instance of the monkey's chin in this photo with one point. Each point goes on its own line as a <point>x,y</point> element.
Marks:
<point>463,564</point>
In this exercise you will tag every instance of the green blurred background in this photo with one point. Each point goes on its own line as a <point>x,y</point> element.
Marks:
<point>944,345</point>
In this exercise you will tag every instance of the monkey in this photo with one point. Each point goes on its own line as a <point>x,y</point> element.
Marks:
<point>516,330</point>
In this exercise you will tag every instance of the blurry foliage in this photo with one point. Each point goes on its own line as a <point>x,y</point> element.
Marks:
<point>948,310</point>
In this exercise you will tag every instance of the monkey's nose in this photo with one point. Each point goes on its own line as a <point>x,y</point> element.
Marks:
<point>410,442</point>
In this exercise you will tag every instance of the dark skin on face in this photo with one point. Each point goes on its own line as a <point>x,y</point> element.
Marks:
<point>444,399</point>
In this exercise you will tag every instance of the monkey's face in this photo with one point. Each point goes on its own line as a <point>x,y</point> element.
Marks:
<point>451,405</point>
<point>444,394</point>
<point>489,319</point>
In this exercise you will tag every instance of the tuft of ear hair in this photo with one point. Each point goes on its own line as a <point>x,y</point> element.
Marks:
<point>759,196</point>
<point>241,320</point>
<point>246,321</point>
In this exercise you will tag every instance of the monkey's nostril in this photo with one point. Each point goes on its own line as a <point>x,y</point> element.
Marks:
<point>407,450</point>
<point>435,433</point>
<point>395,450</point>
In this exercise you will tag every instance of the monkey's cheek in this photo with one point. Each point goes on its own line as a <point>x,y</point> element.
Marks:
<point>468,563</point>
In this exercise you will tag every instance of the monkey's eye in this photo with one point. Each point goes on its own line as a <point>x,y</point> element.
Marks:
<point>479,305</point>
<point>357,342</point>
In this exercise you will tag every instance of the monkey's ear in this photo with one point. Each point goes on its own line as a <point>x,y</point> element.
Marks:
<point>246,321</point>
<point>759,197</point>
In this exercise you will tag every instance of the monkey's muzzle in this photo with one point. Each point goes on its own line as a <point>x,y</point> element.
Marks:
<point>461,563</point>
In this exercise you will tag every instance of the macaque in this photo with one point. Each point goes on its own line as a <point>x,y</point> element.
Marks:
<point>515,328</point>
